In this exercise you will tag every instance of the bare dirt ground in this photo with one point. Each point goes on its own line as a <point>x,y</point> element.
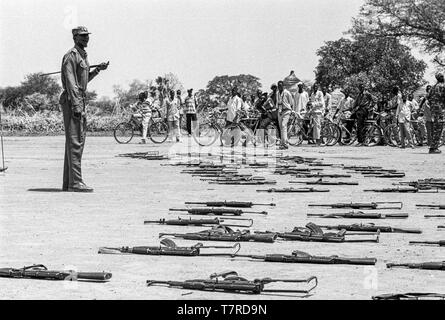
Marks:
<point>64,230</point>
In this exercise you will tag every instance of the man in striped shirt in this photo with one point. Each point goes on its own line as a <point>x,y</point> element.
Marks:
<point>190,110</point>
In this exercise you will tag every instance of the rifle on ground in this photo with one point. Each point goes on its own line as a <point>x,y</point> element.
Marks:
<point>231,282</point>
<point>432,206</point>
<point>303,257</point>
<point>235,204</point>
<point>39,271</point>
<point>322,175</point>
<point>424,265</point>
<point>440,227</point>
<point>384,175</point>
<point>434,216</point>
<point>360,215</point>
<point>201,222</point>
<point>56,72</point>
<point>217,211</point>
<point>144,155</point>
<point>294,190</point>
<point>168,248</point>
<point>440,243</point>
<point>363,206</point>
<point>410,296</point>
<point>402,190</point>
<point>371,228</point>
<point>312,232</point>
<point>223,233</point>
<point>327,183</point>
<point>244,182</point>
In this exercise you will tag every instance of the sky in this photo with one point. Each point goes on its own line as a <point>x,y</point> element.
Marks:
<point>194,39</point>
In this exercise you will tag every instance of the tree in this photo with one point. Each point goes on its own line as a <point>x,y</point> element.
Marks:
<point>36,83</point>
<point>420,21</point>
<point>379,63</point>
<point>218,90</point>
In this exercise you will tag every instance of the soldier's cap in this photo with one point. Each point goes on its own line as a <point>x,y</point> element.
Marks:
<point>80,30</point>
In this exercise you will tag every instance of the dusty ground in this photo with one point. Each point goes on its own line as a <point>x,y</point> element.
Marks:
<point>65,230</point>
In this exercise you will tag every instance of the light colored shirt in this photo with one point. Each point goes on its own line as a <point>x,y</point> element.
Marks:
<point>189,107</point>
<point>345,106</point>
<point>233,106</point>
<point>172,109</point>
<point>317,102</point>
<point>285,102</point>
<point>300,101</point>
<point>403,112</point>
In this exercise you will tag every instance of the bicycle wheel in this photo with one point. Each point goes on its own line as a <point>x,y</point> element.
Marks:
<point>392,134</point>
<point>158,131</point>
<point>271,135</point>
<point>206,134</point>
<point>325,134</point>
<point>123,133</point>
<point>442,138</point>
<point>334,135</point>
<point>347,138</point>
<point>373,135</point>
<point>295,135</point>
<point>231,135</point>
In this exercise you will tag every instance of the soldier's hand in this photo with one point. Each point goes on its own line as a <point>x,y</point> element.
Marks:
<point>103,65</point>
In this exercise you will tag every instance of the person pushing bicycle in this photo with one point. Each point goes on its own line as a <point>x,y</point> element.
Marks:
<point>143,109</point>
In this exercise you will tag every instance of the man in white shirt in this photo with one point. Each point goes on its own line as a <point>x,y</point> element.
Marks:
<point>233,106</point>
<point>301,98</point>
<point>285,104</point>
<point>317,109</point>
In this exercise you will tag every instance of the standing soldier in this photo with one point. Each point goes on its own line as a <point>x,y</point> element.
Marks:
<point>436,99</point>
<point>75,76</point>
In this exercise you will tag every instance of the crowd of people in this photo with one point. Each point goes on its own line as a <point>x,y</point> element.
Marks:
<point>278,105</point>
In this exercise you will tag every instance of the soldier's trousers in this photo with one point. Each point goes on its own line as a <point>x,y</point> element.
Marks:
<point>75,134</point>
<point>361,123</point>
<point>437,128</point>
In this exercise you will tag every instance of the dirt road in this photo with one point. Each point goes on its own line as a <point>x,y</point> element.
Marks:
<point>39,224</point>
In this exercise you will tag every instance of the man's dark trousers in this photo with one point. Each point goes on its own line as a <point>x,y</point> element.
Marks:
<point>75,134</point>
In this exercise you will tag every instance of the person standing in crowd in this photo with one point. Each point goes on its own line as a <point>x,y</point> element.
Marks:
<point>181,109</point>
<point>425,112</point>
<point>234,107</point>
<point>190,111</point>
<point>363,106</point>
<point>285,106</point>
<point>327,100</point>
<point>143,107</point>
<point>172,106</point>
<point>316,113</point>
<point>436,99</point>
<point>343,110</point>
<point>246,104</point>
<point>75,75</point>
<point>403,115</point>
<point>301,98</point>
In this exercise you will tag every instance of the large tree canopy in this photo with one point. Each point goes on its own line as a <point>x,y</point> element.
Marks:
<point>421,21</point>
<point>379,63</point>
<point>218,90</point>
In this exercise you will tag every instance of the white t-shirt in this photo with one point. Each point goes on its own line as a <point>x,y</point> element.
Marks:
<point>233,106</point>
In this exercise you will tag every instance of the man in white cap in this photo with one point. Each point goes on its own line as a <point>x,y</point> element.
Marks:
<point>75,76</point>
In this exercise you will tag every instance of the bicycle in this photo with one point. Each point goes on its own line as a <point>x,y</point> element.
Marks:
<point>210,130</point>
<point>373,132</point>
<point>345,137</point>
<point>157,129</point>
<point>300,129</point>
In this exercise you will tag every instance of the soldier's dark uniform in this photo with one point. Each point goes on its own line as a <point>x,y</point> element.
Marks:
<point>75,77</point>
<point>363,106</point>
<point>436,99</point>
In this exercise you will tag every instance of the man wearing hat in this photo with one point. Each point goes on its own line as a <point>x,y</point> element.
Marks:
<point>436,99</point>
<point>190,110</point>
<point>75,76</point>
